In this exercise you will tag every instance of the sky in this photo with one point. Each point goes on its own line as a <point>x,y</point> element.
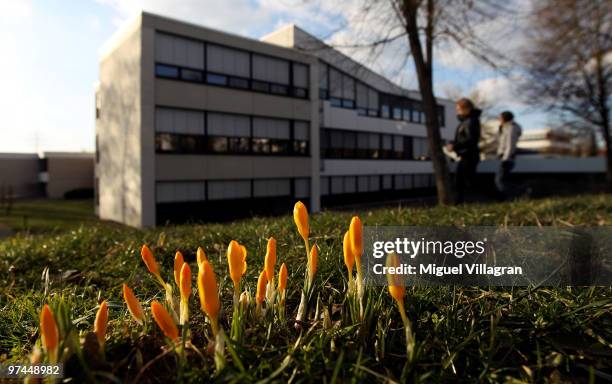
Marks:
<point>50,51</point>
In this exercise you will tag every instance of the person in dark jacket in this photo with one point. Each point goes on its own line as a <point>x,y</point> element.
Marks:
<point>465,145</point>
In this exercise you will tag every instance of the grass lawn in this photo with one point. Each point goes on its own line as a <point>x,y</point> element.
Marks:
<point>463,334</point>
<point>39,216</point>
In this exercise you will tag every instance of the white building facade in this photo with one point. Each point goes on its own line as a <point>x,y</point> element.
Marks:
<point>196,124</point>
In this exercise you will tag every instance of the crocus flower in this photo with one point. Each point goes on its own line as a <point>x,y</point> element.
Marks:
<point>101,321</point>
<point>270,260</point>
<point>185,290</point>
<point>349,257</point>
<point>313,263</point>
<point>356,236</point>
<point>49,332</point>
<point>300,216</point>
<point>164,320</point>
<point>236,259</point>
<point>260,296</point>
<point>282,284</point>
<point>282,278</point>
<point>356,240</point>
<point>269,264</point>
<point>261,287</point>
<point>149,260</point>
<point>178,264</point>
<point>201,256</point>
<point>397,291</point>
<point>133,304</point>
<point>209,294</point>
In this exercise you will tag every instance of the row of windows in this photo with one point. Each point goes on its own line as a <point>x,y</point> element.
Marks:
<point>189,131</point>
<point>343,90</point>
<point>209,190</point>
<point>195,61</point>
<point>337,185</point>
<point>344,144</point>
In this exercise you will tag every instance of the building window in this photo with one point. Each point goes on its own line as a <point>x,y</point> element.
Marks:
<point>271,136</point>
<point>227,61</point>
<point>179,51</point>
<point>214,79</point>
<point>195,61</point>
<point>271,187</point>
<point>301,188</point>
<point>186,131</point>
<point>191,75</point>
<point>168,71</point>
<point>384,111</point>
<point>229,189</point>
<point>180,191</point>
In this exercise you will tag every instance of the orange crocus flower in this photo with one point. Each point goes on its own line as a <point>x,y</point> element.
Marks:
<point>209,293</point>
<point>356,236</point>
<point>349,257</point>
<point>201,256</point>
<point>282,278</point>
<point>313,262</point>
<point>101,321</point>
<point>178,264</point>
<point>236,259</point>
<point>164,320</point>
<point>270,260</point>
<point>300,216</point>
<point>49,332</point>
<point>133,304</point>
<point>396,290</point>
<point>149,260</point>
<point>185,291</point>
<point>185,282</point>
<point>261,287</point>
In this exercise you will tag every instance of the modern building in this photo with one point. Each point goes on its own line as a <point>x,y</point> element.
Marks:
<point>53,175</point>
<point>197,124</point>
<point>557,142</point>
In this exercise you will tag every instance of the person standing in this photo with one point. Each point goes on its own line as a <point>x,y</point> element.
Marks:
<point>509,133</point>
<point>465,145</point>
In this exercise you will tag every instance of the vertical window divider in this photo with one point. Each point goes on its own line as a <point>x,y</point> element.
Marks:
<point>291,136</point>
<point>251,134</point>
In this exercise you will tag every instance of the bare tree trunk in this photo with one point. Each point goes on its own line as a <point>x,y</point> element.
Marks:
<point>425,76</point>
<point>606,132</point>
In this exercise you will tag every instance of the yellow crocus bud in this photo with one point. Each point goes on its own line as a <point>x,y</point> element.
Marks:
<point>349,257</point>
<point>396,289</point>
<point>313,262</point>
<point>207,282</point>
<point>48,332</point>
<point>261,287</point>
<point>236,259</point>
<point>101,321</point>
<point>201,256</point>
<point>164,320</point>
<point>149,260</point>
<point>133,304</point>
<point>282,278</point>
<point>356,236</point>
<point>270,260</point>
<point>185,291</point>
<point>178,264</point>
<point>300,216</point>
